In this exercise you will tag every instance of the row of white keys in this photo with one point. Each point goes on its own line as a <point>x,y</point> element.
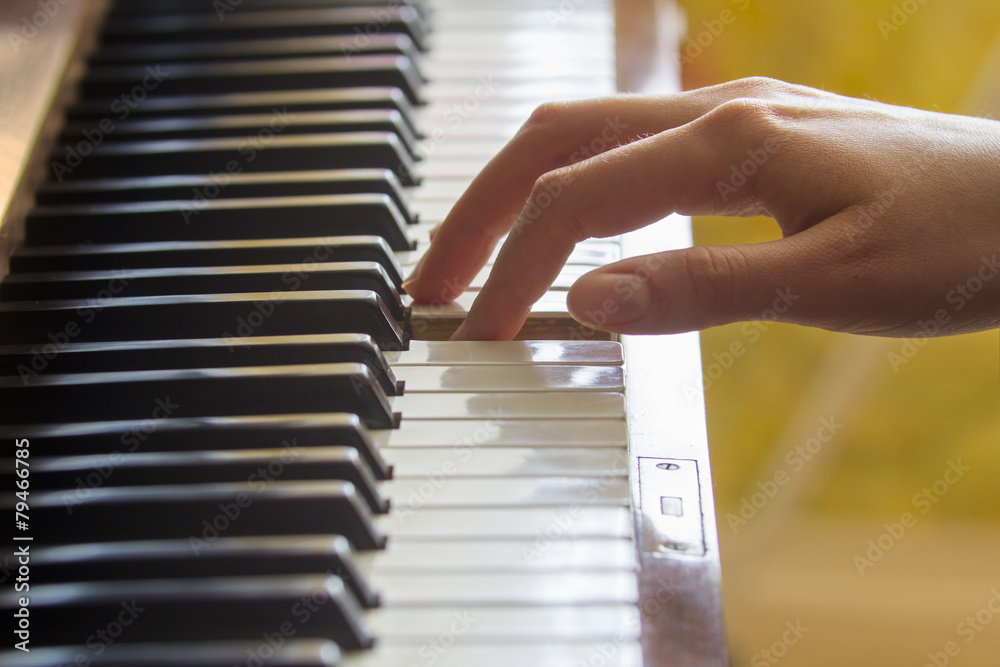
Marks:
<point>489,66</point>
<point>510,536</point>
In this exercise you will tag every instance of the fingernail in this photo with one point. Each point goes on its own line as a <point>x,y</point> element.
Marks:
<point>415,273</point>
<point>602,299</point>
<point>434,230</point>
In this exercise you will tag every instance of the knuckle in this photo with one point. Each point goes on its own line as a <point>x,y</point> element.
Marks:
<point>544,115</point>
<point>746,113</point>
<point>762,85</point>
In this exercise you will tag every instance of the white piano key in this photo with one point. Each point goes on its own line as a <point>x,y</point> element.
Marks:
<point>501,431</point>
<point>505,653</point>
<point>498,556</point>
<point>481,149</point>
<point>472,67</point>
<point>552,303</point>
<point>521,378</point>
<point>503,406</point>
<point>592,253</point>
<point>477,353</point>
<point>568,275</point>
<point>444,491</point>
<point>543,525</point>
<point>437,91</point>
<point>507,461</point>
<point>454,167</point>
<point>399,626</point>
<point>429,115</point>
<point>503,588</point>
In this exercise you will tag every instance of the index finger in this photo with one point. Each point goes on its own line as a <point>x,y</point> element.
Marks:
<point>620,191</point>
<point>556,135</point>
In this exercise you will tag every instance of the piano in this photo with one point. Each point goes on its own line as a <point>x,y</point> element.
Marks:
<point>232,439</point>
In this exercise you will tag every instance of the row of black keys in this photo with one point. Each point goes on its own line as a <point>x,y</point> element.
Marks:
<point>293,76</point>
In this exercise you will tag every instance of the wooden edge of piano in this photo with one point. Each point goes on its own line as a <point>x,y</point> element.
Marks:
<point>680,576</point>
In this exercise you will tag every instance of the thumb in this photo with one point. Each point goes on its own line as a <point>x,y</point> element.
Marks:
<point>700,287</point>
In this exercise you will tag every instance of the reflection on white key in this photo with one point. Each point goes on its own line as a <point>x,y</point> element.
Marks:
<point>476,353</point>
<point>506,461</point>
<point>534,523</point>
<point>444,491</point>
<point>519,378</point>
<point>402,625</point>
<point>498,556</point>
<point>463,436</point>
<point>502,406</point>
<point>503,588</point>
<point>504,653</point>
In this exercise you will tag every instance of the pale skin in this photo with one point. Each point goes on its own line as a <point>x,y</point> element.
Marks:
<point>890,216</point>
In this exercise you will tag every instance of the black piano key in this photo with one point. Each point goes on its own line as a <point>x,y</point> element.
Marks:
<point>300,47</point>
<point>130,83</point>
<point>189,610</point>
<point>107,318</point>
<point>295,101</point>
<point>187,434</point>
<point>206,280</point>
<point>219,220</point>
<point>146,7</point>
<point>267,151</point>
<point>291,653</point>
<point>229,186</point>
<point>138,355</point>
<point>159,468</point>
<point>224,557</point>
<point>209,392</point>
<point>33,259</point>
<point>242,25</point>
<point>202,513</point>
<point>243,125</point>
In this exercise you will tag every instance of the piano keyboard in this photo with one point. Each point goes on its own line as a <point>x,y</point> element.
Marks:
<point>243,449</point>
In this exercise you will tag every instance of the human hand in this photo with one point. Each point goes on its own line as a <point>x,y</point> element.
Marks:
<point>890,215</point>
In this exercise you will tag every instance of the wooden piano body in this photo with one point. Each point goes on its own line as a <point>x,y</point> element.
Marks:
<point>669,475</point>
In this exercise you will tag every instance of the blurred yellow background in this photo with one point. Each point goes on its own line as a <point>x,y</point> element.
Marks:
<point>803,557</point>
